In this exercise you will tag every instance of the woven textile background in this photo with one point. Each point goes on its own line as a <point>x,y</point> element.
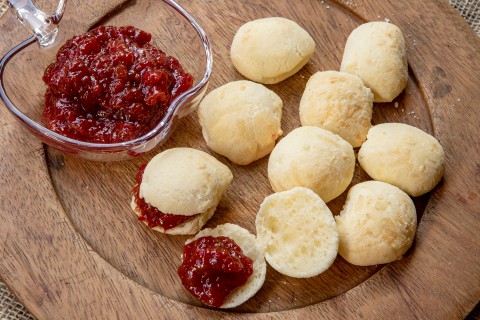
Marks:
<point>11,309</point>
<point>470,11</point>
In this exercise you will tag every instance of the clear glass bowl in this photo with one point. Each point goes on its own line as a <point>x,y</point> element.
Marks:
<point>173,30</point>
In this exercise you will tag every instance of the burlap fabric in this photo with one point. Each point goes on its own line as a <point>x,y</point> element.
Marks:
<point>470,11</point>
<point>11,309</point>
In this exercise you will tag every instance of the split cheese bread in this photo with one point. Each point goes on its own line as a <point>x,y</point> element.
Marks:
<point>298,233</point>
<point>248,243</point>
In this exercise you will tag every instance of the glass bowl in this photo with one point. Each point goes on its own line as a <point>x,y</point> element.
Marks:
<point>173,30</point>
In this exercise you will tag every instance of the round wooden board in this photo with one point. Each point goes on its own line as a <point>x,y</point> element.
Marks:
<point>71,247</point>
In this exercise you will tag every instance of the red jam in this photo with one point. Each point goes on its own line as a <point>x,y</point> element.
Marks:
<point>212,267</point>
<point>150,214</point>
<point>110,85</point>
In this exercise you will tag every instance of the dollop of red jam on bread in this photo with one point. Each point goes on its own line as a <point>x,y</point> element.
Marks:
<point>213,267</point>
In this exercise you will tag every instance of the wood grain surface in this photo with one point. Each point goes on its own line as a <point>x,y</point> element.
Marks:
<point>72,248</point>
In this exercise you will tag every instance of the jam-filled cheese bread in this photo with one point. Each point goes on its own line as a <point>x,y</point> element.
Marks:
<point>223,267</point>
<point>179,190</point>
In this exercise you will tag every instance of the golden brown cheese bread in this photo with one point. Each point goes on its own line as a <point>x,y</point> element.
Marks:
<point>377,224</point>
<point>270,50</point>
<point>241,120</point>
<point>404,156</point>
<point>314,158</point>
<point>338,102</point>
<point>376,52</point>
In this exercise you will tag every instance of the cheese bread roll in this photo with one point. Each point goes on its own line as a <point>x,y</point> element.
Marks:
<point>270,50</point>
<point>404,156</point>
<point>377,224</point>
<point>241,120</point>
<point>314,158</point>
<point>376,52</point>
<point>338,102</point>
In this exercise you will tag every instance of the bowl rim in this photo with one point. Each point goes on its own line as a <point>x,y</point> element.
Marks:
<point>117,146</point>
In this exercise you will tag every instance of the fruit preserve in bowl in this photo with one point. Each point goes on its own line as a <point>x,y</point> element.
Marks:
<point>110,88</point>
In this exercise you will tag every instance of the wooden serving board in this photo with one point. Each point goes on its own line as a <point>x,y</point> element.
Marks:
<point>71,247</point>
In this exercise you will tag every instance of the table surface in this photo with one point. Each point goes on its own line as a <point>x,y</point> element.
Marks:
<point>11,309</point>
